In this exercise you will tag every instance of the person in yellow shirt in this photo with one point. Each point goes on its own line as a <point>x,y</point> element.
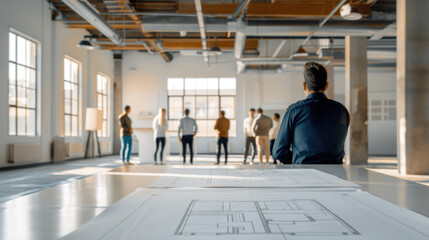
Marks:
<point>222,127</point>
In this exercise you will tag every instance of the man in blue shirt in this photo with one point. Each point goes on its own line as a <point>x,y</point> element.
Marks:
<point>188,127</point>
<point>313,131</point>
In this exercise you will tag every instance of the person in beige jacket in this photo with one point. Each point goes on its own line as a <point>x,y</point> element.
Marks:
<point>261,127</point>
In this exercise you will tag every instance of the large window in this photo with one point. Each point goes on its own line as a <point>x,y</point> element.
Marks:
<point>22,86</point>
<point>103,102</point>
<point>204,97</point>
<point>71,97</point>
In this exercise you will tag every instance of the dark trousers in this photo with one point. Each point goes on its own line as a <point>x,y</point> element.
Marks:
<point>159,141</point>
<point>250,140</point>
<point>222,141</point>
<point>271,148</point>
<point>188,140</point>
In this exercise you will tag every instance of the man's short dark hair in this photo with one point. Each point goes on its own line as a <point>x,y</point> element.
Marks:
<point>276,115</point>
<point>127,108</point>
<point>251,109</point>
<point>222,113</point>
<point>315,76</point>
<point>260,110</point>
<point>187,111</point>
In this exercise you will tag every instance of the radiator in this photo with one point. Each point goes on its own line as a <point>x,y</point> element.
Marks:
<point>24,153</point>
<point>104,146</point>
<point>59,149</point>
<point>76,150</point>
<point>213,146</point>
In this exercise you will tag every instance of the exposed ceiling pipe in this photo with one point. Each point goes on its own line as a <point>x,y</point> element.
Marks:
<point>279,48</point>
<point>239,9</point>
<point>240,41</point>
<point>379,35</point>
<point>200,18</point>
<point>325,20</point>
<point>86,11</point>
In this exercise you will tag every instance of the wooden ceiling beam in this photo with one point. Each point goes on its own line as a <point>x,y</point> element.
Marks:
<point>251,44</point>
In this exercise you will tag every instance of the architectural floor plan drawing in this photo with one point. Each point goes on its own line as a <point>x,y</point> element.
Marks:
<point>254,214</point>
<point>224,177</point>
<point>304,217</point>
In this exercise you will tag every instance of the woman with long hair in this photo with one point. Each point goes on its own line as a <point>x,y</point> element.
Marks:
<point>160,127</point>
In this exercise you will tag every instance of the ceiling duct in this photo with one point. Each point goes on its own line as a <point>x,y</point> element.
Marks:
<point>90,14</point>
<point>334,53</point>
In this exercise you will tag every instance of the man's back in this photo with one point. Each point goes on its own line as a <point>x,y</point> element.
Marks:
<point>316,128</point>
<point>188,126</point>
<point>222,126</point>
<point>262,125</point>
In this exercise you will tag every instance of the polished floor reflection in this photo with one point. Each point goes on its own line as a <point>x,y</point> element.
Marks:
<point>58,210</point>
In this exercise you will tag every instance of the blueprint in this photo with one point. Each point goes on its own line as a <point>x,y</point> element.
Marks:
<point>238,214</point>
<point>227,177</point>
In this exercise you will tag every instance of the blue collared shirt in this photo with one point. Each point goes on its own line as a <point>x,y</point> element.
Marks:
<point>313,131</point>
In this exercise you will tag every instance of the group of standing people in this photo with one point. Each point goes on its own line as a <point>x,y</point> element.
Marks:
<point>313,130</point>
<point>261,132</point>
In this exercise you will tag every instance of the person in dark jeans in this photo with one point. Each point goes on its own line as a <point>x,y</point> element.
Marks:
<point>313,131</point>
<point>127,138</point>
<point>222,127</point>
<point>250,135</point>
<point>160,127</point>
<point>273,133</point>
<point>187,130</point>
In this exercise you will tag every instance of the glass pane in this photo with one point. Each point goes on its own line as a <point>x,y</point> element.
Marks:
<point>75,107</point>
<point>99,101</point>
<point>202,128</point>
<point>21,121</point>
<point>75,91</point>
<point>67,70</point>
<point>104,128</point>
<point>212,86</point>
<point>213,108</point>
<point>67,106</point>
<point>31,122</point>
<point>31,78</point>
<point>12,121</point>
<point>227,86</point>
<point>190,86</point>
<point>228,105</point>
<point>175,86</point>
<point>189,102</point>
<point>12,48</point>
<point>74,71</point>
<point>210,130</point>
<point>75,129</point>
<point>12,95</point>
<point>201,111</point>
<point>22,73</point>
<point>105,109</point>
<point>31,98</point>
<point>12,73</point>
<point>173,125</point>
<point>105,84</point>
<point>21,51</point>
<point>31,54</point>
<point>67,124</point>
<point>175,110</point>
<point>201,86</point>
<point>22,98</point>
<point>99,83</point>
<point>67,90</point>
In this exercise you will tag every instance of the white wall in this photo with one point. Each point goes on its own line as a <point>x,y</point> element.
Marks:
<point>33,18</point>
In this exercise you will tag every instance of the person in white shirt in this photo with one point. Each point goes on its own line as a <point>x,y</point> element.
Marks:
<point>250,136</point>
<point>261,127</point>
<point>160,127</point>
<point>273,133</point>
<point>188,127</point>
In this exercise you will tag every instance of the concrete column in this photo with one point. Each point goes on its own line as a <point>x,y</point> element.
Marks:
<point>357,99</point>
<point>117,101</point>
<point>413,86</point>
<point>330,91</point>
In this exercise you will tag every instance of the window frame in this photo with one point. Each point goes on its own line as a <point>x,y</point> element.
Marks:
<point>108,110</point>
<point>36,89</point>
<point>79,100</point>
<point>207,96</point>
